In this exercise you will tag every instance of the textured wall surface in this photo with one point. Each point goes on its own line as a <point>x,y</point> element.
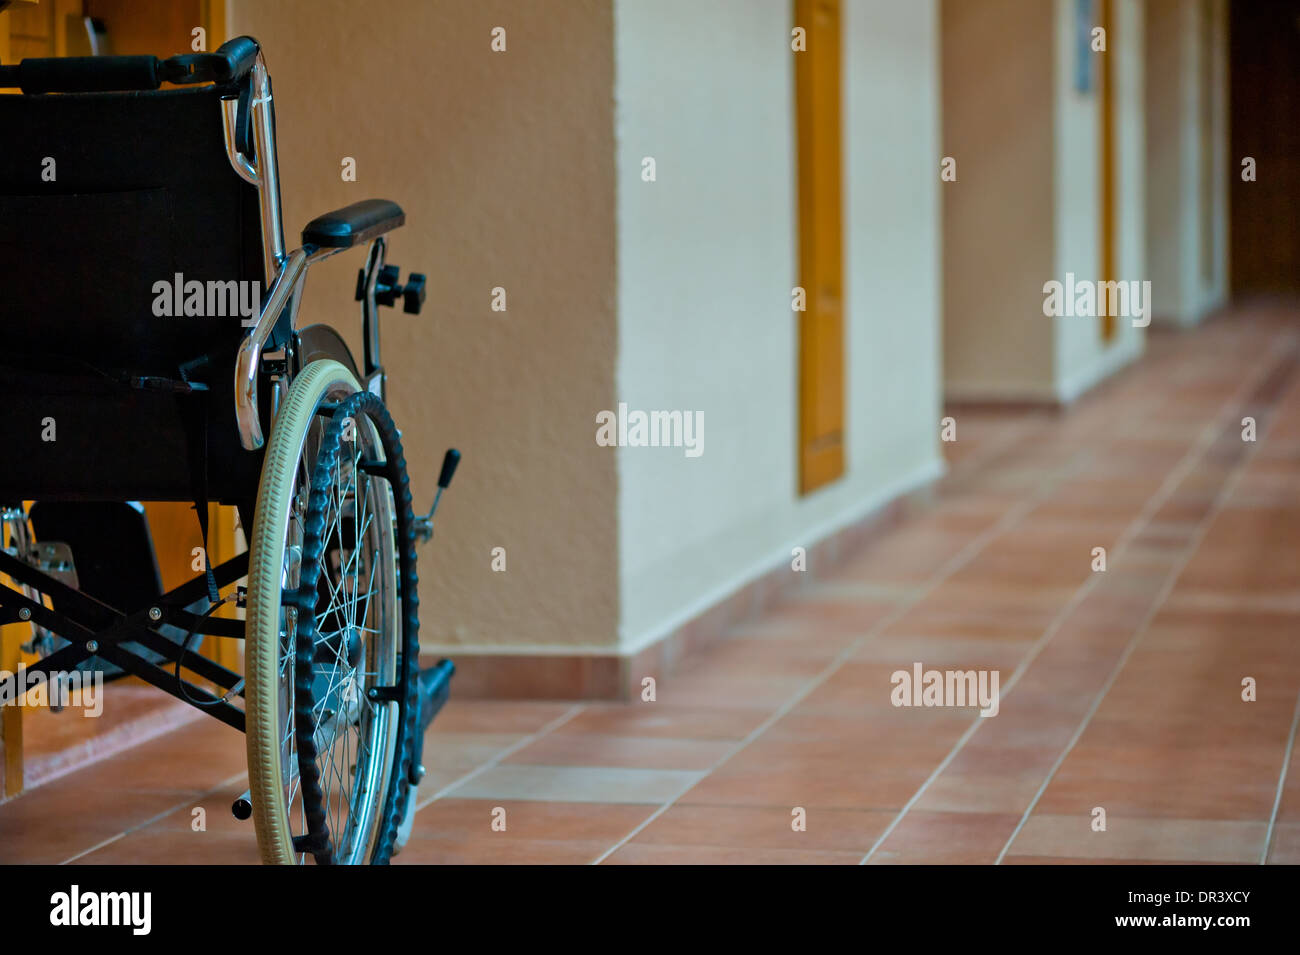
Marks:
<point>998,216</point>
<point>504,165</point>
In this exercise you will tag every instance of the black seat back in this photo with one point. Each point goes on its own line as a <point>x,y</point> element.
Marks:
<point>142,191</point>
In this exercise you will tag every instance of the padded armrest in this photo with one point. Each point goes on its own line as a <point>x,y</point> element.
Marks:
<point>354,224</point>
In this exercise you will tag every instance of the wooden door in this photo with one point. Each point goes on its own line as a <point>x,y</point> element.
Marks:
<point>821,253</point>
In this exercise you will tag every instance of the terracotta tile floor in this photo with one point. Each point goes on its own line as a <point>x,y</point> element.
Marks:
<point>1120,691</point>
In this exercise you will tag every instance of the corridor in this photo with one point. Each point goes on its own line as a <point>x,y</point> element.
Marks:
<point>1126,729</point>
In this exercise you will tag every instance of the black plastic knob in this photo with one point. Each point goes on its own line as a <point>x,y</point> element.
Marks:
<point>388,287</point>
<point>413,294</point>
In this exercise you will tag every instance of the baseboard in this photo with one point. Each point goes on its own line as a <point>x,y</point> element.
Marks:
<point>55,744</point>
<point>618,677</point>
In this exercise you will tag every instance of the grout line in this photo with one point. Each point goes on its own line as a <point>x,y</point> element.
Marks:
<point>1171,579</point>
<point>996,448</point>
<point>224,784</point>
<point>121,738</point>
<point>1281,783</point>
<point>914,596</point>
<point>1016,435</point>
<point>1203,442</point>
<point>955,563</point>
<point>510,750</point>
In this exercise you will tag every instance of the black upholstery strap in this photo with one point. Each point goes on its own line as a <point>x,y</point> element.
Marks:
<point>244,124</point>
<point>199,476</point>
<point>201,508</point>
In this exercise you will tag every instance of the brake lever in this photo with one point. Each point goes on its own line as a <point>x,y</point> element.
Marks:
<point>424,525</point>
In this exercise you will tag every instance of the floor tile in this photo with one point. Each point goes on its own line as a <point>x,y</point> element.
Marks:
<point>576,784</point>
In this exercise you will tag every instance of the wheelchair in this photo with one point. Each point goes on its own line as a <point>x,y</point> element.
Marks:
<point>136,223</point>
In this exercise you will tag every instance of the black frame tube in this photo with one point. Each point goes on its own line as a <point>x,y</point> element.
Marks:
<point>86,619</point>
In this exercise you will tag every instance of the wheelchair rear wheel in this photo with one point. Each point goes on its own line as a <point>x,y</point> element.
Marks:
<point>332,625</point>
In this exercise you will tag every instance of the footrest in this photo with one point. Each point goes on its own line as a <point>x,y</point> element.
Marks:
<point>434,689</point>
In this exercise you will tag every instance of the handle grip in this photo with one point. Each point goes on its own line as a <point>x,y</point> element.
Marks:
<point>84,74</point>
<point>449,462</point>
<point>104,74</point>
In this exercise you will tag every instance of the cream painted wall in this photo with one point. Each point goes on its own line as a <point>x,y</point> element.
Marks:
<point>1176,214</point>
<point>1082,357</point>
<point>707,259</point>
<point>998,114</point>
<point>504,163</point>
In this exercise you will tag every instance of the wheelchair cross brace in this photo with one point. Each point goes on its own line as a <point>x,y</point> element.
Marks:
<point>93,628</point>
